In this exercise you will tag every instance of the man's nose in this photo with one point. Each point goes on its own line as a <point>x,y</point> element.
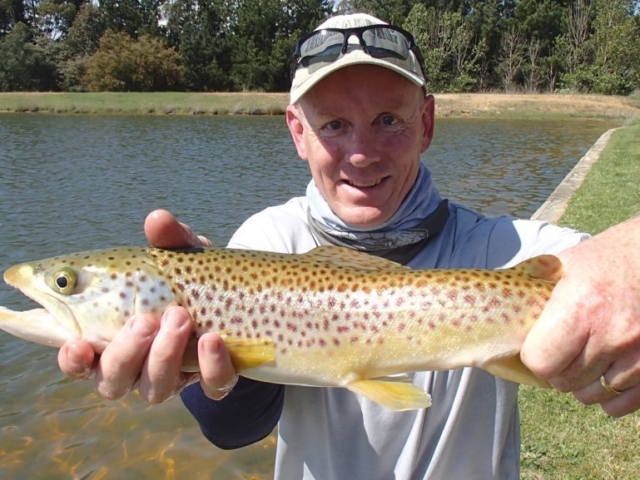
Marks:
<point>363,150</point>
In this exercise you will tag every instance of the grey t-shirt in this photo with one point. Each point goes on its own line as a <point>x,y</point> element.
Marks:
<point>472,429</point>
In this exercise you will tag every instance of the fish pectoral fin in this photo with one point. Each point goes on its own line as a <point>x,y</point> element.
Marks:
<point>395,395</point>
<point>250,353</point>
<point>511,368</point>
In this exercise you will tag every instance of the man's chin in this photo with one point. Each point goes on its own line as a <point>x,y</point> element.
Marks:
<point>363,218</point>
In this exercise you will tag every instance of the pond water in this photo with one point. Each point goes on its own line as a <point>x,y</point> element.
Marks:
<point>71,183</point>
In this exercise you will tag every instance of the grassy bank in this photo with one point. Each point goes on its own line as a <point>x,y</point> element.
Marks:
<point>155,103</point>
<point>175,103</point>
<point>561,438</point>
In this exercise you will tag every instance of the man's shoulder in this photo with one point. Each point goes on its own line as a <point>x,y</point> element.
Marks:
<point>282,228</point>
<point>473,239</point>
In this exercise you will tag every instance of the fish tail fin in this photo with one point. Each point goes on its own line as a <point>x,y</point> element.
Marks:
<point>394,395</point>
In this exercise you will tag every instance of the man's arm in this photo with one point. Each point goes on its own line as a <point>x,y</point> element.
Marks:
<point>591,325</point>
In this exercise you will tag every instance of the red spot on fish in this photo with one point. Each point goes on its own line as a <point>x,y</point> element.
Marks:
<point>235,320</point>
<point>292,327</point>
<point>342,329</point>
<point>471,300</point>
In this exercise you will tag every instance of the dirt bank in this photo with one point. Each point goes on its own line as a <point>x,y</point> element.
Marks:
<point>489,104</point>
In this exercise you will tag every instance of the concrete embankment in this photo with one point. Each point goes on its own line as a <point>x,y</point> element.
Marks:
<point>554,207</point>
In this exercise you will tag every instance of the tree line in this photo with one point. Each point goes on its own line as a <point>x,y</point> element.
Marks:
<point>246,45</point>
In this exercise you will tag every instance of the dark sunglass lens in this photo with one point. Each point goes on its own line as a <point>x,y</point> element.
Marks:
<point>386,42</point>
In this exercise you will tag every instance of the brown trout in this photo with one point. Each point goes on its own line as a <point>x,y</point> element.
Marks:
<point>330,317</point>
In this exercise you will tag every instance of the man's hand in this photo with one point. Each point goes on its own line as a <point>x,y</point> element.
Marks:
<point>147,353</point>
<point>591,326</point>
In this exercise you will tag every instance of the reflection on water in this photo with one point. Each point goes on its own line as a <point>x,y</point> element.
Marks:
<point>76,183</point>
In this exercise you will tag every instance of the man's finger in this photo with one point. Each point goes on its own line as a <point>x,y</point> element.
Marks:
<point>76,358</point>
<point>161,377</point>
<point>163,230</point>
<point>123,359</point>
<point>217,374</point>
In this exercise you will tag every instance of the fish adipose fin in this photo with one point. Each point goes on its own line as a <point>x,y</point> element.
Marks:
<point>395,395</point>
<point>543,267</point>
<point>511,368</point>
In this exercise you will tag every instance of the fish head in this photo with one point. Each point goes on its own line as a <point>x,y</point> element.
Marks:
<point>87,295</point>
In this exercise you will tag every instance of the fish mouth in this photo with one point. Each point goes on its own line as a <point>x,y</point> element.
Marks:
<point>52,325</point>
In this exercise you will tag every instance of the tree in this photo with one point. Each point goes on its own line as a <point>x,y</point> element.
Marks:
<point>511,58</point>
<point>12,12</point>
<point>197,30</point>
<point>23,64</point>
<point>134,17</point>
<point>81,42</point>
<point>123,64</point>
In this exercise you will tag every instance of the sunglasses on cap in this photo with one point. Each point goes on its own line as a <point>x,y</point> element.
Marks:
<point>322,47</point>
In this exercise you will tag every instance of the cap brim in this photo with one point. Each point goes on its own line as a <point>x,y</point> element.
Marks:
<point>303,83</point>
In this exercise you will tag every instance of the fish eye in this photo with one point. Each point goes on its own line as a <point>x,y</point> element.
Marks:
<point>64,281</point>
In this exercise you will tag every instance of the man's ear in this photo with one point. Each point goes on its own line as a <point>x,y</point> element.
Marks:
<point>428,120</point>
<point>296,128</point>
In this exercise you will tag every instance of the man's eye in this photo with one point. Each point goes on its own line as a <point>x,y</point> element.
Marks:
<point>334,125</point>
<point>389,120</point>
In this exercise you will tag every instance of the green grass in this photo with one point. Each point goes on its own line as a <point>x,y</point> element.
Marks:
<point>611,192</point>
<point>562,438</point>
<point>159,103</point>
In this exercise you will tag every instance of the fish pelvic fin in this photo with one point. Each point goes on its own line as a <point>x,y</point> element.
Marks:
<point>543,267</point>
<point>395,395</point>
<point>511,368</point>
<point>250,353</point>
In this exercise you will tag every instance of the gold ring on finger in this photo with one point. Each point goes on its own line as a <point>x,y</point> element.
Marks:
<point>607,387</point>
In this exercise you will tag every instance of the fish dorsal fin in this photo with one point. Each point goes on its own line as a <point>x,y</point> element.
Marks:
<point>348,257</point>
<point>544,267</point>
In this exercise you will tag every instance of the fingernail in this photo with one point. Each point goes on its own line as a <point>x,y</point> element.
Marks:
<point>142,327</point>
<point>72,354</point>
<point>211,348</point>
<point>173,319</point>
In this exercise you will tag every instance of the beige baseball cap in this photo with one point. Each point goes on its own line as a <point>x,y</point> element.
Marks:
<point>315,64</point>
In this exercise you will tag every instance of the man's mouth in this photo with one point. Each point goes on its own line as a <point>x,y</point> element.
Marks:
<point>364,184</point>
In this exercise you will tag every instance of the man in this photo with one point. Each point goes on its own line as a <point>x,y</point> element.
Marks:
<point>361,117</point>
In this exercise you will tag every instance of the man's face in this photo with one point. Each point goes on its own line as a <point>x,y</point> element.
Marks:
<point>362,130</point>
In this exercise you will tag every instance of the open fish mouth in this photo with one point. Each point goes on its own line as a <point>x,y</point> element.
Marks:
<point>35,325</point>
<point>52,324</point>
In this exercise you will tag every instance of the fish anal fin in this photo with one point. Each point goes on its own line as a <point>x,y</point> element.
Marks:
<point>543,267</point>
<point>250,353</point>
<point>511,368</point>
<point>395,395</point>
<point>348,257</point>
